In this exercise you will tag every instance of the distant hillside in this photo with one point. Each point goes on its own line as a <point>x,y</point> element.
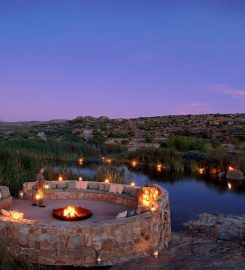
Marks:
<point>132,133</point>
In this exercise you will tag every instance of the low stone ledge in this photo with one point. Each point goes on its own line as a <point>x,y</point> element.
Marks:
<point>6,203</point>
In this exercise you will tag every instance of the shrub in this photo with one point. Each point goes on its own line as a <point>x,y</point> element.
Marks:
<point>183,143</point>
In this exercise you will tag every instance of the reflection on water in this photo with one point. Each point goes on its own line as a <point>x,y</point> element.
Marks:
<point>189,196</point>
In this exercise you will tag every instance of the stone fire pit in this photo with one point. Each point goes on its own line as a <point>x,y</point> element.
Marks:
<point>72,213</point>
<point>102,239</point>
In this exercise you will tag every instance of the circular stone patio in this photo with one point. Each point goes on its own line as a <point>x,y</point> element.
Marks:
<point>102,239</point>
<point>101,211</point>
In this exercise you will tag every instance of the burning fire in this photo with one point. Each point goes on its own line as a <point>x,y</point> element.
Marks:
<point>149,196</point>
<point>70,212</point>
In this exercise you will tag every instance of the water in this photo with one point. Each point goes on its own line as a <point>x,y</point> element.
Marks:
<point>189,196</point>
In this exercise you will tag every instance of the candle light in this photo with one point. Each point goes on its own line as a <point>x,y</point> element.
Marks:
<point>60,178</point>
<point>159,167</point>
<point>230,168</point>
<point>132,184</point>
<point>16,215</point>
<point>80,178</point>
<point>108,160</point>
<point>107,181</point>
<point>99,260</point>
<point>81,161</point>
<point>134,163</point>
<point>21,194</point>
<point>46,186</point>
<point>38,196</point>
<point>155,253</point>
<point>153,208</point>
<point>201,170</point>
<point>229,185</point>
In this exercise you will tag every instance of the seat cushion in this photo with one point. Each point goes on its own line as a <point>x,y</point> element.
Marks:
<point>122,214</point>
<point>52,185</point>
<point>93,185</point>
<point>119,189</point>
<point>5,192</point>
<point>113,188</point>
<point>61,185</point>
<point>126,190</point>
<point>101,187</point>
<point>81,185</point>
<point>71,185</point>
<point>107,187</point>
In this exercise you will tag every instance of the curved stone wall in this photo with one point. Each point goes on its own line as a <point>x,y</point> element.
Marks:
<point>80,245</point>
<point>6,203</point>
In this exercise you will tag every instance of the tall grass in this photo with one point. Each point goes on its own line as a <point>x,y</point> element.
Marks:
<point>20,160</point>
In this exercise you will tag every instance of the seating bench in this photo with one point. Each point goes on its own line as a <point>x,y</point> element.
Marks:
<point>123,194</point>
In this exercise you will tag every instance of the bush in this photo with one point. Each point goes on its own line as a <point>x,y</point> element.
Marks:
<point>149,138</point>
<point>183,143</point>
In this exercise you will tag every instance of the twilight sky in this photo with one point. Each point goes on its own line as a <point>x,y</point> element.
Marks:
<point>120,58</point>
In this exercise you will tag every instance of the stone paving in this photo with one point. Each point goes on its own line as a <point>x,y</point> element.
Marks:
<point>101,210</point>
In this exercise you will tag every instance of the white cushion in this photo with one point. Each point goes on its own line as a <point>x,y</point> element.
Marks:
<point>5,213</point>
<point>113,188</point>
<point>81,184</point>
<point>119,189</point>
<point>122,214</point>
<point>77,185</point>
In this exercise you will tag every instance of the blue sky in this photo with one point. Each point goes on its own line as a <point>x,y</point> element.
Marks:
<point>60,59</point>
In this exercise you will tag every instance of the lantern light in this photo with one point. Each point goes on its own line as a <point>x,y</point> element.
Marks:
<point>21,194</point>
<point>38,196</point>
<point>99,259</point>
<point>230,168</point>
<point>201,170</point>
<point>153,208</point>
<point>134,163</point>
<point>16,215</point>
<point>46,186</point>
<point>60,178</point>
<point>81,161</point>
<point>132,184</point>
<point>229,185</point>
<point>159,167</point>
<point>155,253</point>
<point>109,160</point>
<point>80,178</point>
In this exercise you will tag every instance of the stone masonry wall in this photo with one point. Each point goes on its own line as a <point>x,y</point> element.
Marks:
<point>6,203</point>
<point>114,241</point>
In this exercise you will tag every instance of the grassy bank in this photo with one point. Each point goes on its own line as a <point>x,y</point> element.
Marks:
<point>20,159</point>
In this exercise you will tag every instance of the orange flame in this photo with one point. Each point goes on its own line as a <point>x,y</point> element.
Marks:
<point>70,212</point>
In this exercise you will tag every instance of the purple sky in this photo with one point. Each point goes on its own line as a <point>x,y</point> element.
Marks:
<point>61,59</point>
